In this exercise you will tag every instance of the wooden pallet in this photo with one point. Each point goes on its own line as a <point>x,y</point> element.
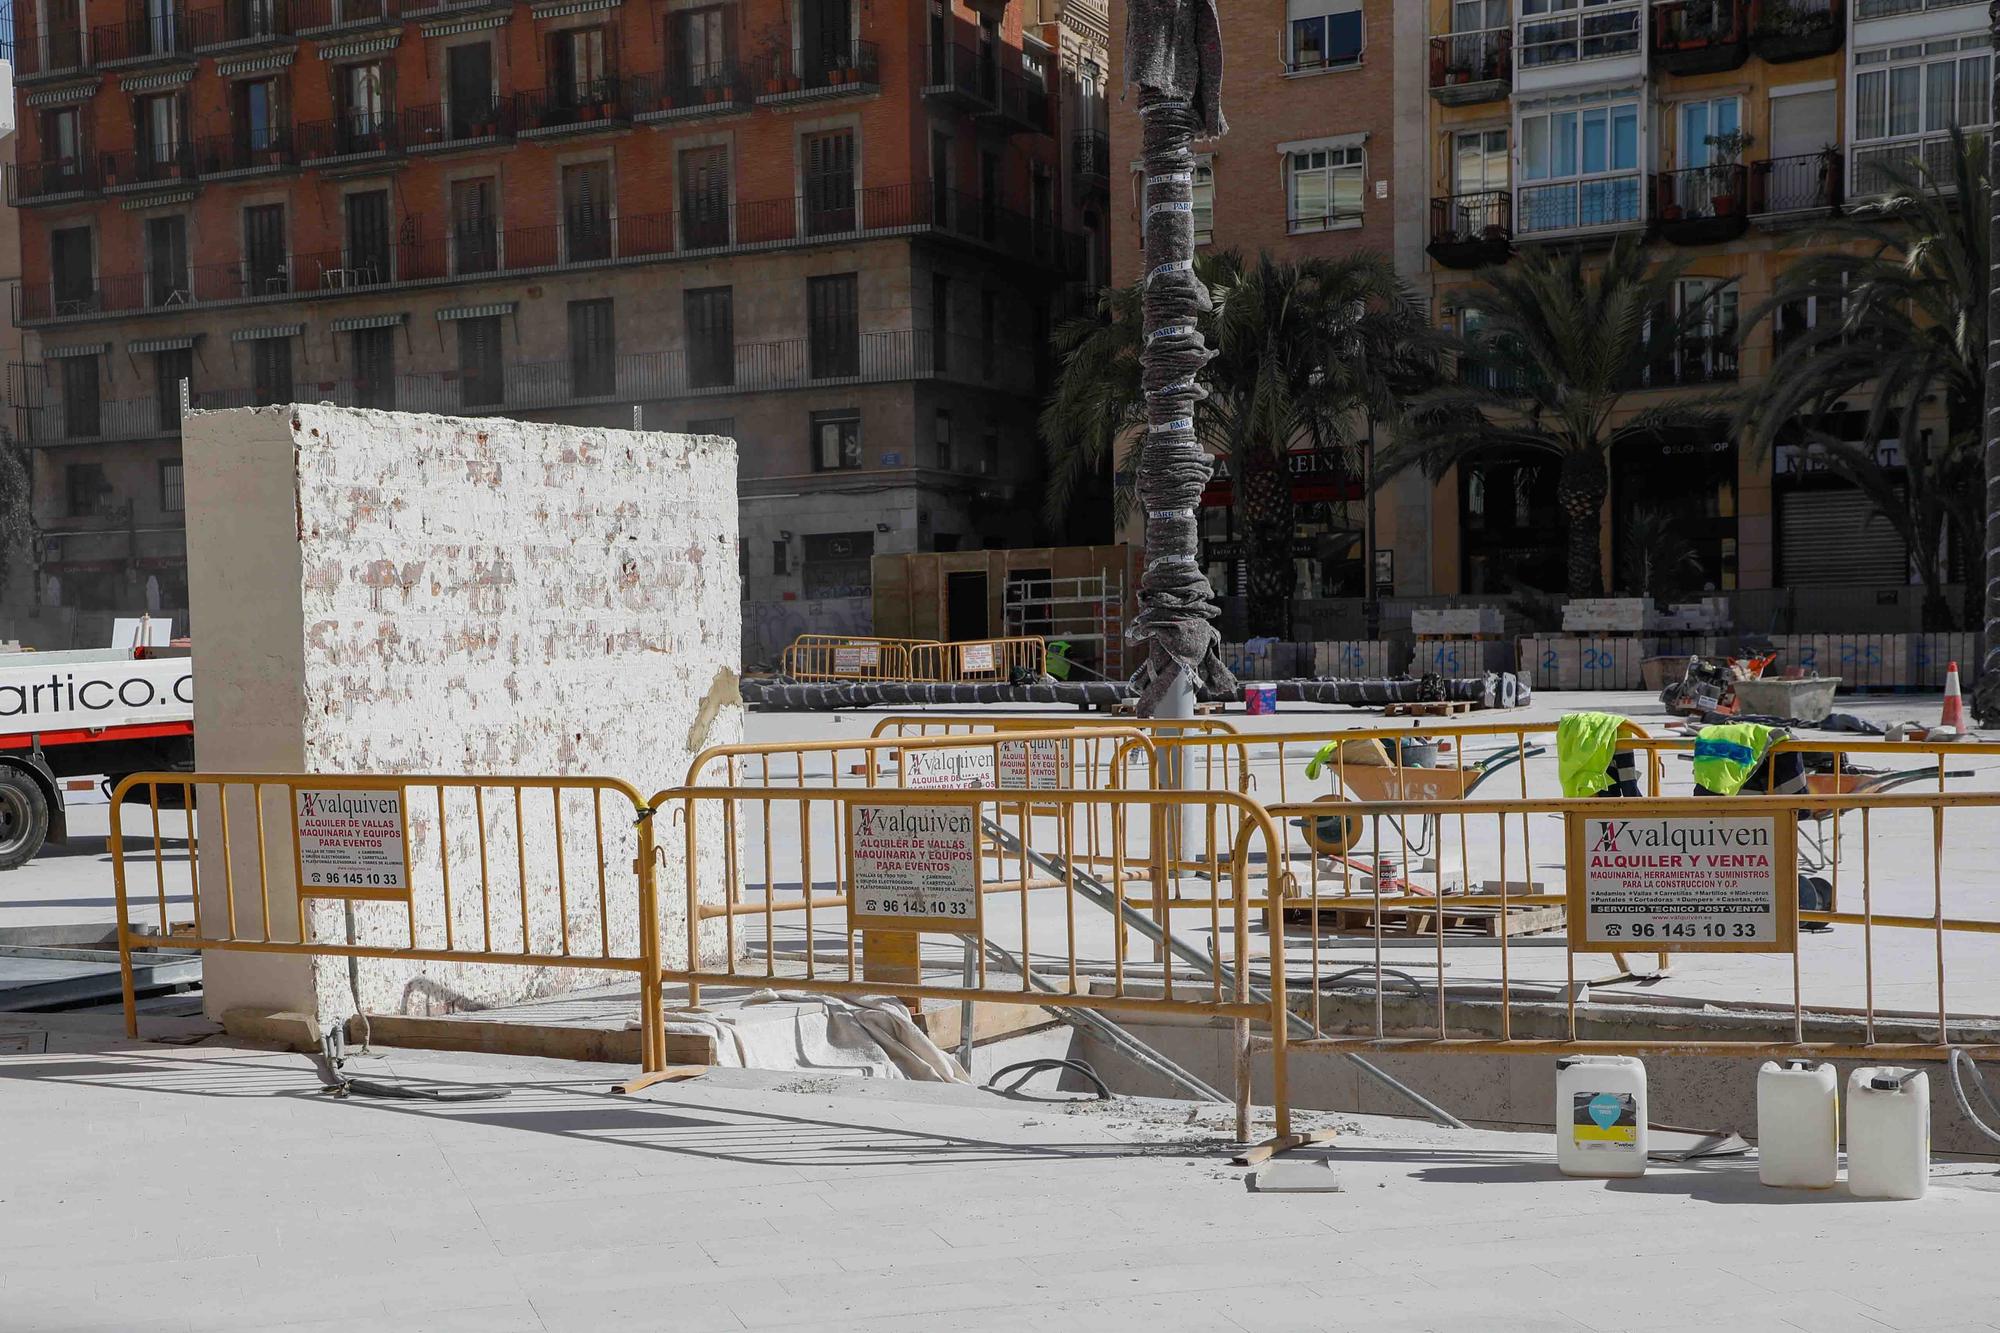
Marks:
<point>1432,708</point>
<point>1128,708</point>
<point>1477,922</point>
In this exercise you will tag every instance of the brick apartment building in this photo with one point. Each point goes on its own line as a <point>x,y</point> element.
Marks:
<point>1323,158</point>
<point>836,230</point>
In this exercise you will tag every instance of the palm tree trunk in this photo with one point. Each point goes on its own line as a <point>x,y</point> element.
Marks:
<point>1580,493</point>
<point>1268,526</point>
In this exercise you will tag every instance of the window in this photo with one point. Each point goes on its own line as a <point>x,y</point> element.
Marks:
<point>943,434</point>
<point>481,376</point>
<point>702,41</point>
<point>72,270</point>
<point>167,261</point>
<point>62,165</point>
<point>593,349</point>
<point>1913,96</point>
<point>271,370</point>
<point>258,129</point>
<point>469,84</point>
<point>829,180</point>
<point>1705,349</point>
<point>836,440</point>
<point>1480,162</point>
<point>375,367</point>
<point>836,564</point>
<point>1324,34</point>
<point>266,266</point>
<point>1558,32</point>
<point>586,201</point>
<point>1205,203</point>
<point>85,487</point>
<point>834,326</point>
<point>173,491</point>
<point>1589,158</point>
<point>1325,188</point>
<point>82,396</point>
<point>989,332</point>
<point>704,176</point>
<point>581,68</point>
<point>368,249</point>
<point>780,557</point>
<point>1794,318</point>
<point>158,134</point>
<point>1703,121</point>
<point>723,426</point>
<point>989,454</point>
<point>710,315</point>
<point>364,109</point>
<point>940,323</point>
<point>475,244</point>
<point>1704,130</point>
<point>169,370</point>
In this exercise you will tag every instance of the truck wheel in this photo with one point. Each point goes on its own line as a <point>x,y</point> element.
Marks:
<point>24,818</point>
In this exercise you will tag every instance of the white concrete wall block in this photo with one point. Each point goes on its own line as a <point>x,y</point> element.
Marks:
<point>394,593</point>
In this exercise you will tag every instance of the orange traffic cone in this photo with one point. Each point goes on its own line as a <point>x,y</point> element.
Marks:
<point>1953,715</point>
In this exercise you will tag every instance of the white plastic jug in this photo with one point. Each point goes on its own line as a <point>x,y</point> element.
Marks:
<point>1601,1115</point>
<point>1888,1133</point>
<point>1798,1125</point>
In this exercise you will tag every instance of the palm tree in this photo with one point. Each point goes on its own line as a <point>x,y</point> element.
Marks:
<point>1560,350</point>
<point>1305,352</point>
<point>1909,283</point>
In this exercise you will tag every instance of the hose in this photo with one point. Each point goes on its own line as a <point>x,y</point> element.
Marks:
<point>1033,1067</point>
<point>329,1061</point>
<point>1959,1057</point>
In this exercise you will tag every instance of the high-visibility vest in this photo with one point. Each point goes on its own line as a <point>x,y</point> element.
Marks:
<point>1727,754</point>
<point>1585,743</point>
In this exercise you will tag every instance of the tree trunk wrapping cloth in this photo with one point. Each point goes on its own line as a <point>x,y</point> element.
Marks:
<point>1174,57</point>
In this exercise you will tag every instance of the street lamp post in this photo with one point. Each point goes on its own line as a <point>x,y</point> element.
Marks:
<point>1986,696</point>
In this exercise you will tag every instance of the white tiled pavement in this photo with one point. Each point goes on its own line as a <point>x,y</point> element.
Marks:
<point>210,1187</point>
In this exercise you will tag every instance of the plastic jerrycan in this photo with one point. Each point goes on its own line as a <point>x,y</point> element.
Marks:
<point>1798,1125</point>
<point>1888,1133</point>
<point>1601,1115</point>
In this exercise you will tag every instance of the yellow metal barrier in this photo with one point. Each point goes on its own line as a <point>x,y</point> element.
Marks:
<point>518,871</point>
<point>1596,889</point>
<point>833,657</point>
<point>866,878</point>
<point>977,661</point>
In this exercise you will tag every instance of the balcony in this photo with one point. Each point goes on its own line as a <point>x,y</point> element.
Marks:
<point>1598,205</point>
<point>1692,360</point>
<point>354,136</point>
<point>438,126</point>
<point>1917,159</point>
<point>1090,159</point>
<point>322,18</point>
<point>59,52</point>
<point>242,25</point>
<point>582,107</point>
<point>147,167</point>
<point>1702,205</point>
<point>1472,67</point>
<point>1888,9</point>
<point>1788,30</point>
<point>1700,36</point>
<point>691,92</point>
<point>1603,32</point>
<point>477,250</point>
<point>956,76</point>
<point>56,180</point>
<point>1472,230</point>
<point>157,39</point>
<point>1795,189</point>
<point>818,74</point>
<point>228,155</point>
<point>1023,107</point>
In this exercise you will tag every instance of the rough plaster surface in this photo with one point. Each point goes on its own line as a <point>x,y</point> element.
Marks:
<point>390,593</point>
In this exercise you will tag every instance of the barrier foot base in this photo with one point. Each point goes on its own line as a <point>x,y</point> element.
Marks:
<point>1259,1153</point>
<point>671,1074</point>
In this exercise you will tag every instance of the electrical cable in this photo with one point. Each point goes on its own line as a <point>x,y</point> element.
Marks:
<point>1959,1057</point>
<point>1033,1067</point>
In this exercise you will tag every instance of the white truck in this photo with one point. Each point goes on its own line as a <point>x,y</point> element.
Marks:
<point>97,711</point>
